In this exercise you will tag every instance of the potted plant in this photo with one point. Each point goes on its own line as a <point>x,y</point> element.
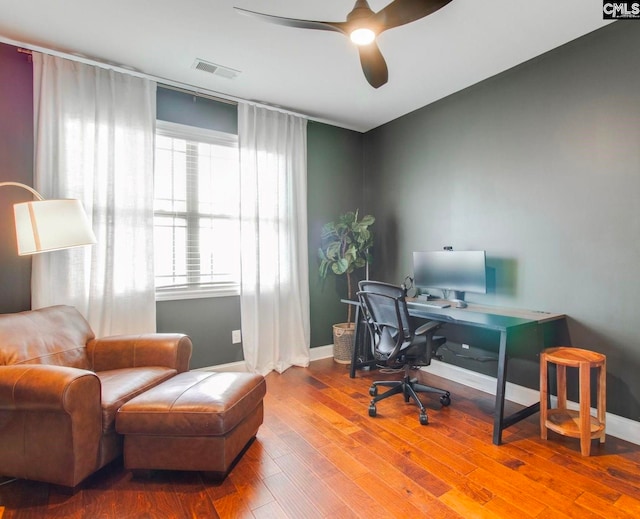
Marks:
<point>345,247</point>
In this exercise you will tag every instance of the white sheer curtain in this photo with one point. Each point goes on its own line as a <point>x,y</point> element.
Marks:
<point>273,211</point>
<point>94,135</point>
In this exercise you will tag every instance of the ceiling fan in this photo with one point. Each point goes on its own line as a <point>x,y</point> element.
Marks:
<point>363,26</point>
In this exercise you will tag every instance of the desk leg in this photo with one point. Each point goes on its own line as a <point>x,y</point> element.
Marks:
<point>362,357</point>
<point>501,422</point>
<point>498,414</point>
<point>356,343</point>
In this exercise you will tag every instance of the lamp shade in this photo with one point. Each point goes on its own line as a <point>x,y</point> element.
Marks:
<point>48,225</point>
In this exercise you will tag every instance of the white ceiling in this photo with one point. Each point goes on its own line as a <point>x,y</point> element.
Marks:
<point>315,73</point>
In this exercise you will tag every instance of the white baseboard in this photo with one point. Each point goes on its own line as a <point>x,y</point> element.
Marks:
<point>320,352</point>
<point>618,426</point>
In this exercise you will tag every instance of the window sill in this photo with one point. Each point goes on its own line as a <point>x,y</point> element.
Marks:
<point>201,293</point>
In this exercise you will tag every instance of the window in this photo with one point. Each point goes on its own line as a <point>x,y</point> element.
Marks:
<point>196,212</point>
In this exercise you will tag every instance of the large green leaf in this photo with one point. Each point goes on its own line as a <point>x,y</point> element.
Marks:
<point>333,251</point>
<point>367,220</point>
<point>324,268</point>
<point>340,267</point>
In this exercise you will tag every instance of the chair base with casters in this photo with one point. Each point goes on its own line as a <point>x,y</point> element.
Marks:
<point>409,388</point>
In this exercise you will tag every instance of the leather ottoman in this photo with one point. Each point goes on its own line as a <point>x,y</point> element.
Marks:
<point>197,420</point>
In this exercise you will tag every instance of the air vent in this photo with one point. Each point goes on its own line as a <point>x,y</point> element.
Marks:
<point>216,70</point>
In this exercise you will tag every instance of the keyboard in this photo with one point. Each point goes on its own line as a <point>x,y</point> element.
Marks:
<point>434,304</point>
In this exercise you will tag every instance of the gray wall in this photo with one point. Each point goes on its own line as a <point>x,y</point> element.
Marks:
<point>540,166</point>
<point>208,321</point>
<point>185,108</point>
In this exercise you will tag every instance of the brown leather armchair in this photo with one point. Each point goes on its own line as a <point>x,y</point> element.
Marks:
<point>60,389</point>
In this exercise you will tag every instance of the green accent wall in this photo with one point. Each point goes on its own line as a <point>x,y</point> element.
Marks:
<point>334,186</point>
<point>16,165</point>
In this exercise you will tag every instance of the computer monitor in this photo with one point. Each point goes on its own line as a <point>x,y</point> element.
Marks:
<point>452,271</point>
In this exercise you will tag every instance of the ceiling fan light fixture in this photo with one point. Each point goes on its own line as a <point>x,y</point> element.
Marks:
<point>363,26</point>
<point>362,36</point>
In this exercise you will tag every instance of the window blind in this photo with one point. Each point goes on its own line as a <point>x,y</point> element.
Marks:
<point>196,210</point>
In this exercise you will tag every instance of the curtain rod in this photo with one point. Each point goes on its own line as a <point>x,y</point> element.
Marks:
<point>164,82</point>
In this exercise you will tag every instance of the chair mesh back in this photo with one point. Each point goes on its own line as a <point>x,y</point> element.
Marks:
<point>385,310</point>
<point>387,305</point>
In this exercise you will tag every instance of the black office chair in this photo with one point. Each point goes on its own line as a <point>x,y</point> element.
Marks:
<point>397,344</point>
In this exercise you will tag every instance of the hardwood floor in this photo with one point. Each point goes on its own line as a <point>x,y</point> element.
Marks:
<point>319,454</point>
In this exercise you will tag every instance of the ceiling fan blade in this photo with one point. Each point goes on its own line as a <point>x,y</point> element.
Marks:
<point>373,65</point>
<point>401,12</point>
<point>292,22</point>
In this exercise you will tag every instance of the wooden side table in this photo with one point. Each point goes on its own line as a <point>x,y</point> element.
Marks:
<point>576,424</point>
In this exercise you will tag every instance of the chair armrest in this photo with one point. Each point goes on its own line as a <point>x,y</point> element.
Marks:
<point>39,387</point>
<point>51,422</point>
<point>428,327</point>
<point>171,350</point>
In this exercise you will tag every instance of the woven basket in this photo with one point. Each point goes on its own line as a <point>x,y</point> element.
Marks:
<point>343,342</point>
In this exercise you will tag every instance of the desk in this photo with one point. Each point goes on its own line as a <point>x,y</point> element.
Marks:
<point>505,321</point>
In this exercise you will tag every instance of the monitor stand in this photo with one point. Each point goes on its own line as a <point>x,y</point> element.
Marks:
<point>456,297</point>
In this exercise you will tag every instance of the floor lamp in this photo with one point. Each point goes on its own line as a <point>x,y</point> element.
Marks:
<point>48,225</point>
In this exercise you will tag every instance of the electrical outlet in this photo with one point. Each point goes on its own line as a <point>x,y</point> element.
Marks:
<point>465,346</point>
<point>236,337</point>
